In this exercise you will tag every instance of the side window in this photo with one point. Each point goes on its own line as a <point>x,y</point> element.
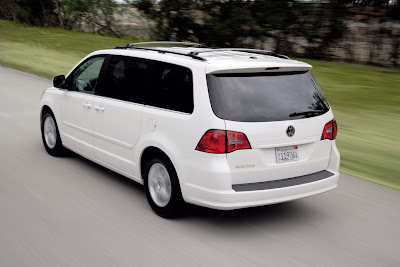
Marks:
<point>171,88</point>
<point>85,78</point>
<point>125,79</point>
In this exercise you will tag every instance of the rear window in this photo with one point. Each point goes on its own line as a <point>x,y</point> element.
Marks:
<point>261,97</point>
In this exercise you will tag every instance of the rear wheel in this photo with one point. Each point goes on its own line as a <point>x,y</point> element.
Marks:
<point>162,187</point>
<point>50,135</point>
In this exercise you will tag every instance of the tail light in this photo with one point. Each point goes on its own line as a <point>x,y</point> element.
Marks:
<point>330,130</point>
<point>221,141</point>
<point>213,141</point>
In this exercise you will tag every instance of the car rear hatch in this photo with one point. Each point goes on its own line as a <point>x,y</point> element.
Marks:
<point>283,114</point>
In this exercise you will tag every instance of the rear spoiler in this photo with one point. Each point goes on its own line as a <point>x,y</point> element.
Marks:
<point>267,68</point>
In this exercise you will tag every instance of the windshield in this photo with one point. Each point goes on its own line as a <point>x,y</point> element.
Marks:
<point>260,97</point>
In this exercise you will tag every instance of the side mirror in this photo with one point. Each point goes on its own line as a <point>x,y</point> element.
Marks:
<point>59,81</point>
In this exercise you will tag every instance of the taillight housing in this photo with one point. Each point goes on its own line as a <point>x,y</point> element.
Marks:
<point>221,141</point>
<point>236,141</point>
<point>330,130</point>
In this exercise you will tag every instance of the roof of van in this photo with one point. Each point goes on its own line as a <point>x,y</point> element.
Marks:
<point>217,60</point>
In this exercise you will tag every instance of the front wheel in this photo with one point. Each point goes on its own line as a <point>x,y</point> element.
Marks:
<point>50,135</point>
<point>162,187</point>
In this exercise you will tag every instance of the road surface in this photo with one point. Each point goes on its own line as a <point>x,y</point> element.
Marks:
<point>71,212</point>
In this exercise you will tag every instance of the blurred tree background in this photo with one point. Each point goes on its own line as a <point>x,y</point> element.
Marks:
<point>311,29</point>
<point>93,15</point>
<point>365,31</point>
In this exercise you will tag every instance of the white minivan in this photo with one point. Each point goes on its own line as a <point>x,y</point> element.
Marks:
<point>223,128</point>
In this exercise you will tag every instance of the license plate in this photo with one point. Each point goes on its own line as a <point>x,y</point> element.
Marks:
<point>286,154</point>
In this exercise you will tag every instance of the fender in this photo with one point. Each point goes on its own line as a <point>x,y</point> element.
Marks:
<point>51,102</point>
<point>164,144</point>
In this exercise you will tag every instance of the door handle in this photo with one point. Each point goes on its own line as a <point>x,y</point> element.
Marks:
<point>86,105</point>
<point>99,108</point>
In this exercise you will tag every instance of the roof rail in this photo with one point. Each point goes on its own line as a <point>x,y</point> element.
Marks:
<point>132,45</point>
<point>253,51</point>
<point>161,51</point>
<point>194,54</point>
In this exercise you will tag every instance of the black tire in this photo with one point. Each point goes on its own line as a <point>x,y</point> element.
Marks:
<point>58,149</point>
<point>176,203</point>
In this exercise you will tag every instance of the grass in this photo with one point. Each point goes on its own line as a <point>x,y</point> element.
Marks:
<point>365,100</point>
<point>366,105</point>
<point>49,51</point>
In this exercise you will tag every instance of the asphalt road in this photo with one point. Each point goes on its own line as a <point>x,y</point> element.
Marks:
<point>71,212</point>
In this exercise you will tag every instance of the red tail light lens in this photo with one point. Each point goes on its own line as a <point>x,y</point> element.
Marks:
<point>334,128</point>
<point>221,141</point>
<point>213,141</point>
<point>330,130</point>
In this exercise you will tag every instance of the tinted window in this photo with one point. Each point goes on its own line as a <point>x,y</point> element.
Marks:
<point>125,79</point>
<point>171,87</point>
<point>265,97</point>
<point>86,76</point>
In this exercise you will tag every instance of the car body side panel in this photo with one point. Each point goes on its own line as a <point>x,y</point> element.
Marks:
<point>76,118</point>
<point>177,135</point>
<point>73,120</point>
<point>116,129</point>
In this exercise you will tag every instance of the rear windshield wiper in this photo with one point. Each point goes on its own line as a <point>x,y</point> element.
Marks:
<point>308,113</point>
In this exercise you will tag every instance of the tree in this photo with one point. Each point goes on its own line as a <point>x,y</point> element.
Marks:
<point>10,10</point>
<point>35,12</point>
<point>100,14</point>
<point>365,2</point>
<point>95,14</point>
<point>174,19</point>
<point>322,26</point>
<point>224,23</point>
<point>244,22</point>
<point>71,12</point>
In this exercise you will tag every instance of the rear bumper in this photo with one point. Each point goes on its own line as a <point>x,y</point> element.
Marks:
<point>228,200</point>
<point>217,191</point>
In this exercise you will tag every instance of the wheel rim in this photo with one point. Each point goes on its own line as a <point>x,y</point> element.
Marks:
<point>159,184</point>
<point>50,132</point>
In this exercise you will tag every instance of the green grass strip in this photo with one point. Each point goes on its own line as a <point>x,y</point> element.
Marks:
<point>49,51</point>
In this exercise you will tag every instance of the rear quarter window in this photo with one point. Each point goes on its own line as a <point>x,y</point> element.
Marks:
<point>170,87</point>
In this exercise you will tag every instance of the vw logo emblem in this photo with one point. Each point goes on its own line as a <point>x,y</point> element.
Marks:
<point>290,131</point>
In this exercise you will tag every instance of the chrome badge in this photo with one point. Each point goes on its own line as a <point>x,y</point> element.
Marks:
<point>290,131</point>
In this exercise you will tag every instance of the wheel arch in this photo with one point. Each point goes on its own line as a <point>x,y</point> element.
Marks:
<point>152,152</point>
<point>44,109</point>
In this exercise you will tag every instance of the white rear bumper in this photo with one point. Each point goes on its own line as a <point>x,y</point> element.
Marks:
<point>216,189</point>
<point>228,200</point>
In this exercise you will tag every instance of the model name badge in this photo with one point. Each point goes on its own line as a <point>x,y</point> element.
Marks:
<point>245,166</point>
